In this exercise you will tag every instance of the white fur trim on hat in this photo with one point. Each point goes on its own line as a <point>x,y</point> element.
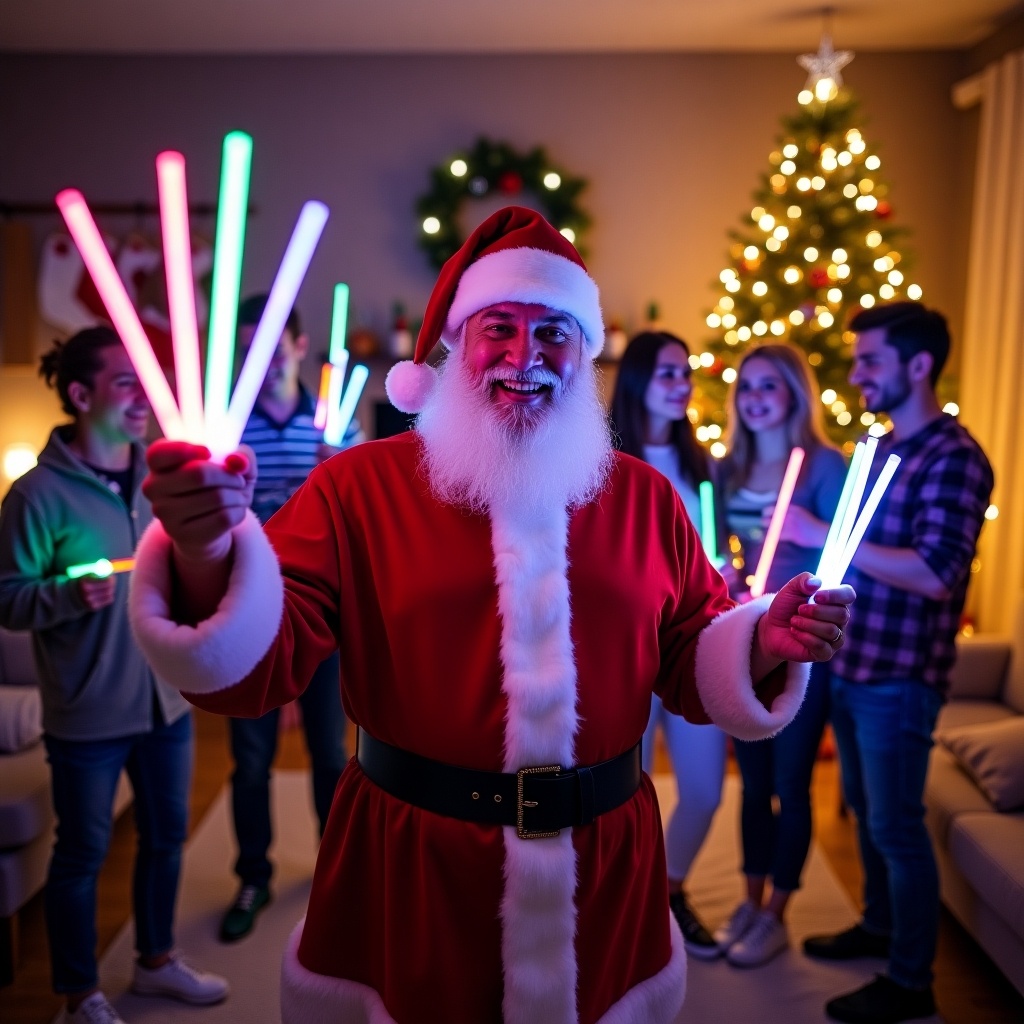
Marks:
<point>723,676</point>
<point>529,275</point>
<point>409,385</point>
<point>223,649</point>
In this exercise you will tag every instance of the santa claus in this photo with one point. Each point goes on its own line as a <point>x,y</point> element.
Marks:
<point>506,592</point>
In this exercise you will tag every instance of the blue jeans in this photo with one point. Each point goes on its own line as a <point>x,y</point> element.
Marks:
<point>84,780</point>
<point>776,845</point>
<point>884,734</point>
<point>253,746</point>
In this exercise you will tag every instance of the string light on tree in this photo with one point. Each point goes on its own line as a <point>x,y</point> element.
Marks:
<point>818,244</point>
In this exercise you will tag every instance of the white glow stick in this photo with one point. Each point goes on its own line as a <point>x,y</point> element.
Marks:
<point>236,163</point>
<point>771,538</point>
<point>828,550</point>
<point>850,512</point>
<point>863,521</point>
<point>126,322</point>
<point>335,396</point>
<point>356,382</point>
<point>293,268</point>
<point>181,296</point>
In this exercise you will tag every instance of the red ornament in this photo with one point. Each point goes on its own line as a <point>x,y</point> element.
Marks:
<point>883,211</point>
<point>818,277</point>
<point>510,183</point>
<point>717,367</point>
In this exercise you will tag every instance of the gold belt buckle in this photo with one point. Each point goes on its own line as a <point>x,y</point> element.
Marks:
<point>522,832</point>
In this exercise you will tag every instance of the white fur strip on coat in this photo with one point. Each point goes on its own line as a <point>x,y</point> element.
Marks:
<point>223,649</point>
<point>723,676</point>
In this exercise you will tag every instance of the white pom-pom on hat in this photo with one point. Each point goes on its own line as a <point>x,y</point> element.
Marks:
<point>409,385</point>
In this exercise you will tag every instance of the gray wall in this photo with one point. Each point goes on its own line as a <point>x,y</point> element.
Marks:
<point>672,146</point>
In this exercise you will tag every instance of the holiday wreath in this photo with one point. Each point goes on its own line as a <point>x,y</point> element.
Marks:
<point>491,167</point>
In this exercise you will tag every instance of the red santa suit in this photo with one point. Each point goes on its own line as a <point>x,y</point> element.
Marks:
<point>490,645</point>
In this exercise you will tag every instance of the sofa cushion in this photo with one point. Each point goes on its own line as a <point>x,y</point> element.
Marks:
<point>26,808</point>
<point>993,754</point>
<point>955,713</point>
<point>949,791</point>
<point>21,718</point>
<point>986,849</point>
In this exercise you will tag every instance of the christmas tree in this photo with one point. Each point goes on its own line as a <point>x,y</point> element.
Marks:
<point>819,244</point>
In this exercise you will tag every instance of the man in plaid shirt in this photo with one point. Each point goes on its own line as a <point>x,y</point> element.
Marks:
<point>891,677</point>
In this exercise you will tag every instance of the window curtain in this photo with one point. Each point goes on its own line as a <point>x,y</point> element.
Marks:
<point>992,371</point>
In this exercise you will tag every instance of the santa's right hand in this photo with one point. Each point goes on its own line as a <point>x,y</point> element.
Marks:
<point>198,502</point>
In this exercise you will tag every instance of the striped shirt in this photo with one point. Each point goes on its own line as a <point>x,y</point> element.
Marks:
<point>286,453</point>
<point>936,505</point>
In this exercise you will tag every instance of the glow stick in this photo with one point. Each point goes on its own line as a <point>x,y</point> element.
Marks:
<point>122,313</point>
<point>101,567</point>
<point>863,521</point>
<point>828,551</point>
<point>708,536</point>
<point>293,268</point>
<point>236,163</point>
<point>771,538</point>
<point>320,417</point>
<point>339,322</point>
<point>356,383</point>
<point>181,296</point>
<point>335,396</point>
<point>850,512</point>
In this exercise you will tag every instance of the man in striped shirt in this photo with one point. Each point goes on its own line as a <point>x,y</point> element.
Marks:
<point>287,446</point>
<point>891,677</point>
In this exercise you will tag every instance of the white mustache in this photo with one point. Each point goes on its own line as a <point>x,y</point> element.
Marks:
<point>538,375</point>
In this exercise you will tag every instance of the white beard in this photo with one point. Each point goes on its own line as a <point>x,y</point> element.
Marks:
<point>515,459</point>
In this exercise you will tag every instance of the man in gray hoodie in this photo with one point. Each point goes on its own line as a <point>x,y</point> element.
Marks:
<point>103,709</point>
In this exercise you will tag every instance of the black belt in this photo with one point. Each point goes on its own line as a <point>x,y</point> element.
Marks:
<point>539,802</point>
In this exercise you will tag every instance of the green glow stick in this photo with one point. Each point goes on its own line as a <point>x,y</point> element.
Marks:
<point>101,567</point>
<point>708,535</point>
<point>227,275</point>
<point>339,322</point>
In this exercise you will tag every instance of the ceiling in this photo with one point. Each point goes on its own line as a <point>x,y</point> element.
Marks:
<point>482,26</point>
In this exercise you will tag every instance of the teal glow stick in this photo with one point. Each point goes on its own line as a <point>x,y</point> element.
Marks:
<point>101,567</point>
<point>828,551</point>
<point>708,535</point>
<point>334,437</point>
<point>236,164</point>
<point>339,322</point>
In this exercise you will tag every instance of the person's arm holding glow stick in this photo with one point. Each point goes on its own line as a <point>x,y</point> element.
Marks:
<point>771,540</point>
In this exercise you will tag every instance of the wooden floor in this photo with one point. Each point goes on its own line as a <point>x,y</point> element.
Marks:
<point>969,988</point>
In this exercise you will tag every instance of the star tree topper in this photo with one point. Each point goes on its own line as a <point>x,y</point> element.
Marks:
<point>824,65</point>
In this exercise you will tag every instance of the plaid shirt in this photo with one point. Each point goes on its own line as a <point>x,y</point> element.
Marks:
<point>936,505</point>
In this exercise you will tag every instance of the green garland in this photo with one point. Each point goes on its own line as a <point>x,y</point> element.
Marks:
<point>484,169</point>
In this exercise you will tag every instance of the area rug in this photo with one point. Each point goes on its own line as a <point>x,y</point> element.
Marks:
<point>789,990</point>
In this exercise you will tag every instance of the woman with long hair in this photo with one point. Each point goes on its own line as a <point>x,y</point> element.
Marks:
<point>773,408</point>
<point>649,417</point>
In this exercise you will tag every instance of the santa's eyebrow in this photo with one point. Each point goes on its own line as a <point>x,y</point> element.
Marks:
<point>496,314</point>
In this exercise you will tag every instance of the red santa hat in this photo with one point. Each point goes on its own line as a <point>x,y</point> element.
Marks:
<point>513,256</point>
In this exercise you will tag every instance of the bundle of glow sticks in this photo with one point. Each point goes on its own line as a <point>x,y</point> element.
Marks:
<point>771,538</point>
<point>849,525</point>
<point>218,418</point>
<point>336,404</point>
<point>101,567</point>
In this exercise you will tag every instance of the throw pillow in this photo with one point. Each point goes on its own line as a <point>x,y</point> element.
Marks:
<point>21,718</point>
<point>992,753</point>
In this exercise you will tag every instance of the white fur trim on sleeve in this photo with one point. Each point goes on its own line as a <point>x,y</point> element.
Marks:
<point>223,649</point>
<point>723,676</point>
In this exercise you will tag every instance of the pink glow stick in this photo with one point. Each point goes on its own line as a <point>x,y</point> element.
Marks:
<point>320,417</point>
<point>771,539</point>
<point>181,297</point>
<point>126,322</point>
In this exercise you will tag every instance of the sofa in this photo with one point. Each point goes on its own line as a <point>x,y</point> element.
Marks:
<point>26,809</point>
<point>974,796</point>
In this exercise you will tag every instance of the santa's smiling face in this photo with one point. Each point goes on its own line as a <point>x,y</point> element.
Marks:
<point>523,356</point>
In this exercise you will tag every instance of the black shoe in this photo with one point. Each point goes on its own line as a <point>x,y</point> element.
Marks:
<point>855,942</point>
<point>241,915</point>
<point>882,1001</point>
<point>698,939</point>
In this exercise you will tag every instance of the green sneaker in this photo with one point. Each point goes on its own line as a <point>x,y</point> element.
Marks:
<point>241,915</point>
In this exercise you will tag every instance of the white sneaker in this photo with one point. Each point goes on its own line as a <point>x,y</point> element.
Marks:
<point>734,929</point>
<point>180,980</point>
<point>765,938</point>
<point>93,1010</point>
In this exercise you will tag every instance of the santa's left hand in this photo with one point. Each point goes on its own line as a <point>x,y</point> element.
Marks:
<point>794,630</point>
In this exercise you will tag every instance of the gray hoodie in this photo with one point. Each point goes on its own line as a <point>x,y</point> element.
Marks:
<point>95,683</point>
